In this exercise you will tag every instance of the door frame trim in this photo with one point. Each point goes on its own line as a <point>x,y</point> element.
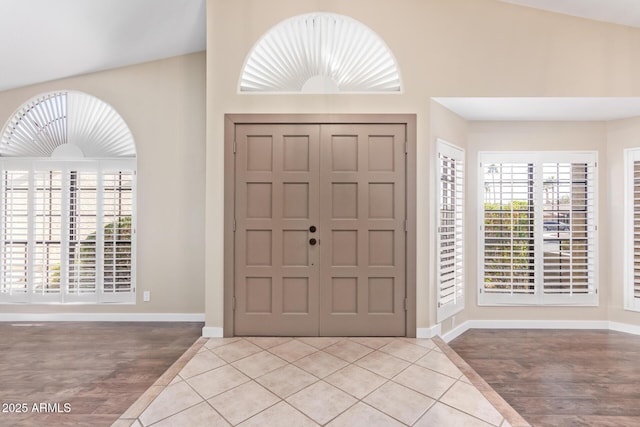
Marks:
<point>230,122</point>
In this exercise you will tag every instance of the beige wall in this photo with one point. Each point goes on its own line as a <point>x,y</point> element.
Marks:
<point>444,48</point>
<point>163,103</point>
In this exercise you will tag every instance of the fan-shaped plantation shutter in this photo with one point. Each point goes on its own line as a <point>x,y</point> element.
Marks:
<point>49,121</point>
<point>320,53</point>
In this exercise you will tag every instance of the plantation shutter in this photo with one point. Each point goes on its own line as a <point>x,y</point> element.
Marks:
<point>67,231</point>
<point>83,233</point>
<point>450,235</point>
<point>539,231</point>
<point>632,230</point>
<point>569,242</point>
<point>118,245</point>
<point>636,230</point>
<point>46,225</point>
<point>15,235</point>
<point>508,230</point>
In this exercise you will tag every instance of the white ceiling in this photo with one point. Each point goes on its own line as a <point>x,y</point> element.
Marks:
<point>42,40</point>
<point>625,12</point>
<point>543,109</point>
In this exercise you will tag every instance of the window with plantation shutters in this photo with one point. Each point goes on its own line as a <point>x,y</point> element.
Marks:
<point>538,235</point>
<point>67,202</point>
<point>632,229</point>
<point>118,242</point>
<point>67,232</point>
<point>450,232</point>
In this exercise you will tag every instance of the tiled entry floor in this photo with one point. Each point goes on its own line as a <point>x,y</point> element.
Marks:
<point>316,381</point>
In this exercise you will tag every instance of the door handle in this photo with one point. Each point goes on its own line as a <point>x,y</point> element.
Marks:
<point>313,242</point>
<point>312,229</point>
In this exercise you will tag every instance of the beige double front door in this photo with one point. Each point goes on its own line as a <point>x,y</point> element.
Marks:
<point>320,230</point>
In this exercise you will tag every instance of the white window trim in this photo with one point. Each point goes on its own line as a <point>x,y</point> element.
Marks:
<point>631,303</point>
<point>99,166</point>
<point>451,308</point>
<point>538,298</point>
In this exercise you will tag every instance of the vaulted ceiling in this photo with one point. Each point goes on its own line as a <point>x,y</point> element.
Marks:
<point>43,40</point>
<point>623,12</point>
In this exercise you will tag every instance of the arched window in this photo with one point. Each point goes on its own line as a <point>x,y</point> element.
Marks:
<point>320,53</point>
<point>67,202</point>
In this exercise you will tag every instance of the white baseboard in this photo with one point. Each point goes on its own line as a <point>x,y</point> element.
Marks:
<point>216,332</point>
<point>428,332</point>
<point>456,332</point>
<point>624,327</point>
<point>101,317</point>
<point>539,324</point>
<point>212,332</point>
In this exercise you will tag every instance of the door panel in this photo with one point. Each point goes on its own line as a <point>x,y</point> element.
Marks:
<point>277,198</point>
<point>362,215</point>
<point>349,182</point>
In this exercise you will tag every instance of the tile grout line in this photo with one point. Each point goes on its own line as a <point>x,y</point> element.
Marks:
<point>459,409</point>
<point>201,396</point>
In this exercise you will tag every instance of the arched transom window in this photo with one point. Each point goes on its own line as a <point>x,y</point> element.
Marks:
<point>320,53</point>
<point>67,207</point>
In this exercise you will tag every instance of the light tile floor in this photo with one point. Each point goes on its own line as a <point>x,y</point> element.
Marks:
<point>317,381</point>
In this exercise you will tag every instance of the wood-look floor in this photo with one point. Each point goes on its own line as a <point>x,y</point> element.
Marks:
<point>560,377</point>
<point>98,369</point>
